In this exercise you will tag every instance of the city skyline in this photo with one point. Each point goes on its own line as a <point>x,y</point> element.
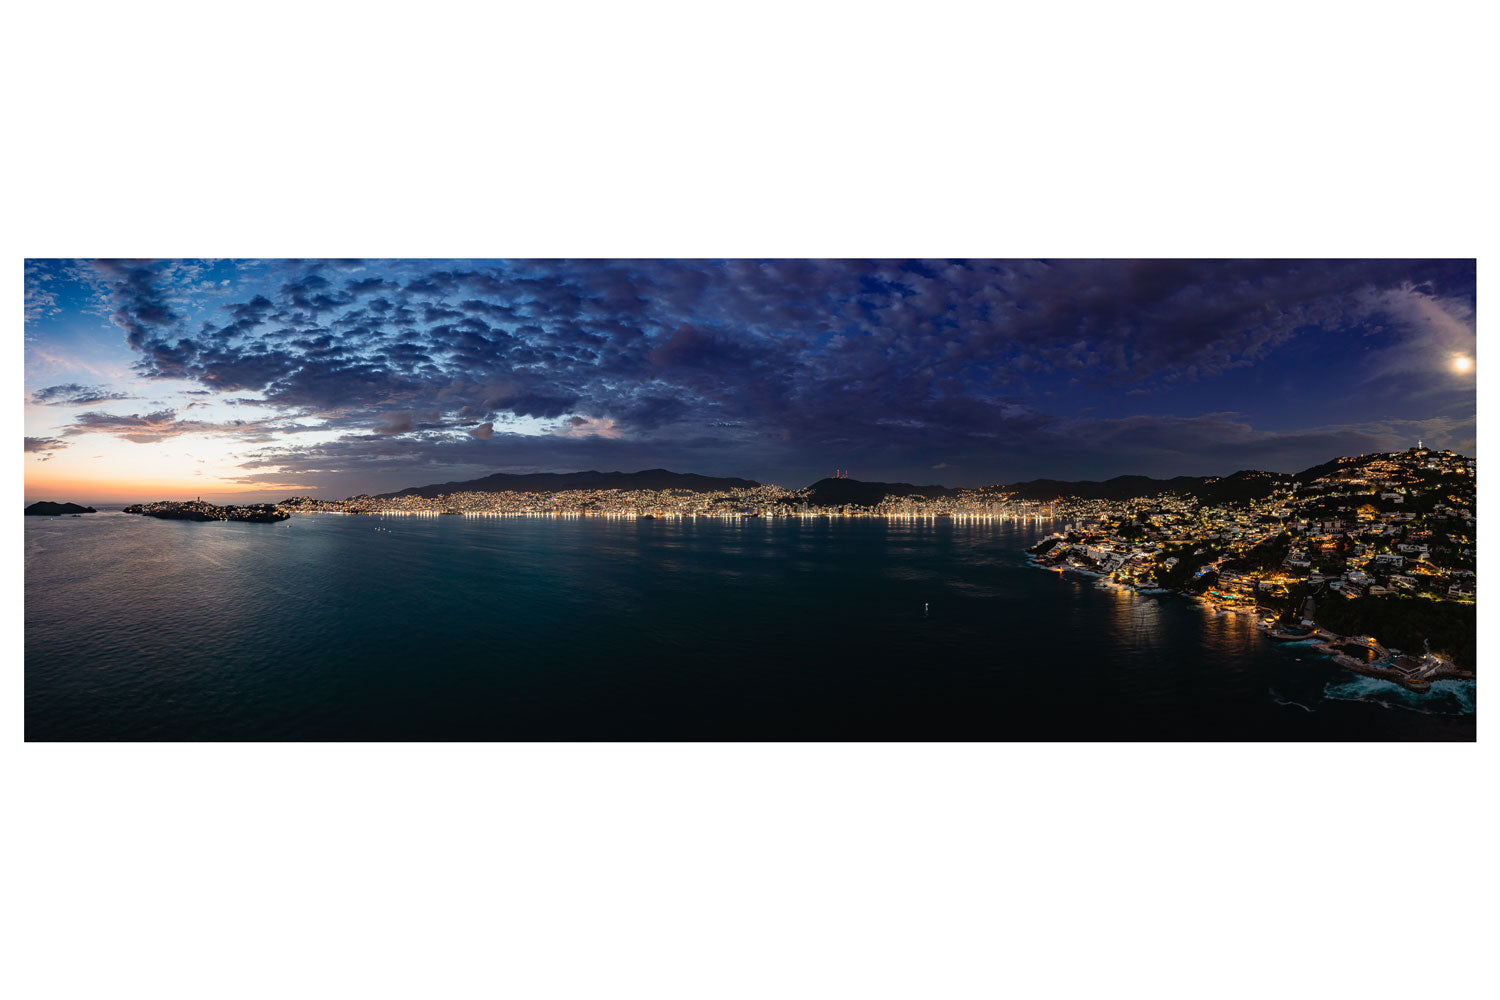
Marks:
<point>256,379</point>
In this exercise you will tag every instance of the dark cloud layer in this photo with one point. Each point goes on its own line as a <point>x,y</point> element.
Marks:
<point>779,368</point>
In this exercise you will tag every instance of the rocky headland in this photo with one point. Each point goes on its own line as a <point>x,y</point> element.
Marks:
<point>197,510</point>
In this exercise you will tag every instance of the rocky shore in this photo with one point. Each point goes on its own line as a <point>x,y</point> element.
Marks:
<point>1415,673</point>
<point>197,510</point>
<point>1364,655</point>
<point>1411,672</point>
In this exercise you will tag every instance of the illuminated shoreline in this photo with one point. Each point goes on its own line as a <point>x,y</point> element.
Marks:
<point>678,516</point>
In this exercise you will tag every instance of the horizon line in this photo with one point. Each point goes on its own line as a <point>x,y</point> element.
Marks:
<point>31,497</point>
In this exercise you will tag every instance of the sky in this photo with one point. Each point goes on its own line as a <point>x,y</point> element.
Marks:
<point>260,379</point>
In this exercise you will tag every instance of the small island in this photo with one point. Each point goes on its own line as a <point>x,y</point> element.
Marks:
<point>197,510</point>
<point>46,508</point>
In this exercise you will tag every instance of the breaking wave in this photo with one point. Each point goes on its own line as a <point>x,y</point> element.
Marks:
<point>1445,697</point>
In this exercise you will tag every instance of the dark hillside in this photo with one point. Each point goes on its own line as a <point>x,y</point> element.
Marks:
<point>854,492</point>
<point>553,482</point>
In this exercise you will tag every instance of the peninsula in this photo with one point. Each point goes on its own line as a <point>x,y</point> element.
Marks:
<point>1368,555</point>
<point>197,510</point>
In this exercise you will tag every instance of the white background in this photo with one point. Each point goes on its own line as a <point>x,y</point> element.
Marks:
<point>785,129</point>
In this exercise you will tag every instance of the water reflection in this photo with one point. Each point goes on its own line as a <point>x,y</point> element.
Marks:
<point>1135,619</point>
<point>588,628</point>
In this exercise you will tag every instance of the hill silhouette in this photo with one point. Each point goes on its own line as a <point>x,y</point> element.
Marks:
<point>46,508</point>
<point>1247,484</point>
<point>552,482</point>
<point>855,492</point>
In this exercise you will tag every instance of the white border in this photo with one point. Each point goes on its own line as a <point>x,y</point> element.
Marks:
<point>807,129</point>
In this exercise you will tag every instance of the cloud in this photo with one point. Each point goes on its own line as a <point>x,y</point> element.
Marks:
<point>41,299</point>
<point>566,333</point>
<point>72,394</point>
<point>137,427</point>
<point>402,423</point>
<point>798,364</point>
<point>147,428</point>
<point>1427,332</point>
<point>140,307</point>
<point>1220,443</point>
<point>44,444</point>
<point>580,427</point>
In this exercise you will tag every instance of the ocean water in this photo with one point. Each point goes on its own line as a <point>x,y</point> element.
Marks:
<point>331,627</point>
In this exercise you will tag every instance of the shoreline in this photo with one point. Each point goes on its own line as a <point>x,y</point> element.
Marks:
<point>1324,642</point>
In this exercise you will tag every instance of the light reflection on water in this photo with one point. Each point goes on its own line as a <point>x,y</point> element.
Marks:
<point>468,628</point>
<point>1135,619</point>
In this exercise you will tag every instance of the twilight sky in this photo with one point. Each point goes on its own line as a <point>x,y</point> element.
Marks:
<point>264,378</point>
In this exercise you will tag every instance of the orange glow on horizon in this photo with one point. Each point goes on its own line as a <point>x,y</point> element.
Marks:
<point>86,490</point>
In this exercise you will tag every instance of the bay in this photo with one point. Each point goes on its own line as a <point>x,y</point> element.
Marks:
<point>331,627</point>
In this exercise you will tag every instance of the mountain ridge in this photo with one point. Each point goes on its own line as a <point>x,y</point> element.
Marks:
<point>1246,484</point>
<point>552,482</point>
<point>859,493</point>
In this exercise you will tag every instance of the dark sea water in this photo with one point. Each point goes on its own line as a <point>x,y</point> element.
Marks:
<point>327,627</point>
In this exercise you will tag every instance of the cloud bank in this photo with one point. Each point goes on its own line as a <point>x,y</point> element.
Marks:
<point>783,368</point>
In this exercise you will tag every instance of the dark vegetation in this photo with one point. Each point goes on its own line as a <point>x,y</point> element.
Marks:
<point>1403,622</point>
<point>854,492</point>
<point>1266,555</point>
<point>1182,576</point>
<point>1248,484</point>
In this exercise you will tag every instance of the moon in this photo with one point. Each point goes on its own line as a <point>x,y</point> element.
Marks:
<point>1461,363</point>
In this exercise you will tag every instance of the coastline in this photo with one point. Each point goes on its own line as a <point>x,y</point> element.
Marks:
<point>1411,673</point>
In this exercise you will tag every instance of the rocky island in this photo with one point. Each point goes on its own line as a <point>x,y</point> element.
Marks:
<point>197,510</point>
<point>46,508</point>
